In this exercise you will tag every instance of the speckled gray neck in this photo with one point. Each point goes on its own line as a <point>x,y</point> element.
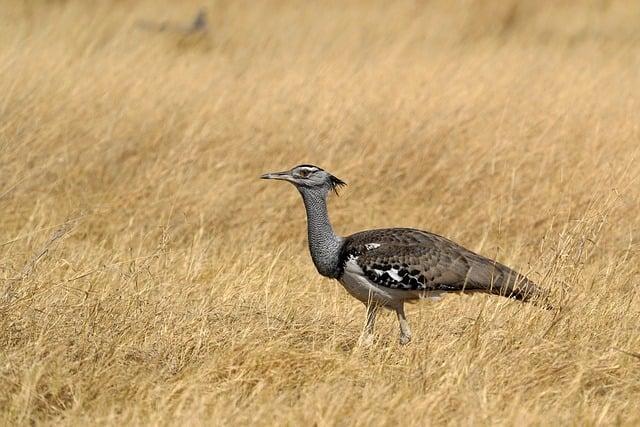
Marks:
<point>324,245</point>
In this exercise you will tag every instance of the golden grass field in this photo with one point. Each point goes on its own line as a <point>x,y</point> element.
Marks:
<point>150,278</point>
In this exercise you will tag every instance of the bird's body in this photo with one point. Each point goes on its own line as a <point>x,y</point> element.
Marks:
<point>388,267</point>
<point>418,263</point>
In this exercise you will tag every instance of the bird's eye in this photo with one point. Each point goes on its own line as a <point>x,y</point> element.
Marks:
<point>303,173</point>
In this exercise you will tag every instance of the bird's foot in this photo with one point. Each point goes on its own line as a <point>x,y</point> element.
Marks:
<point>405,339</point>
<point>366,340</point>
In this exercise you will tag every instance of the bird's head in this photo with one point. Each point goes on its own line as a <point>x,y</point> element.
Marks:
<point>308,178</point>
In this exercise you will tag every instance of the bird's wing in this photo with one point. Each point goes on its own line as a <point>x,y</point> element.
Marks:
<point>409,259</point>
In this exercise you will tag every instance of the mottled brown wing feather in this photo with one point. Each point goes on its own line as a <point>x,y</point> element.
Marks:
<point>410,259</point>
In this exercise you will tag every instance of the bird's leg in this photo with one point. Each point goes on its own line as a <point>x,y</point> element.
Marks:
<point>367,335</point>
<point>405,331</point>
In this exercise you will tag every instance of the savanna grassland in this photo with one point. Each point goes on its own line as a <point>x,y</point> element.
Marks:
<point>149,277</point>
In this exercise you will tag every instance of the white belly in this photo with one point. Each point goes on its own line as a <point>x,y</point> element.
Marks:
<point>360,287</point>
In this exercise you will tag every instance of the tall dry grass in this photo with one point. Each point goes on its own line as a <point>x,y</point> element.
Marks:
<point>149,277</point>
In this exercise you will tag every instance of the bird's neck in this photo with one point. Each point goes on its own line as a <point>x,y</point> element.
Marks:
<point>324,245</point>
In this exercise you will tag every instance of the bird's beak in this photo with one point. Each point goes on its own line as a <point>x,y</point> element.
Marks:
<point>276,175</point>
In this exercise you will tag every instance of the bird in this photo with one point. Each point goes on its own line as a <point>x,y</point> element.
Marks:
<point>200,22</point>
<point>198,25</point>
<point>386,268</point>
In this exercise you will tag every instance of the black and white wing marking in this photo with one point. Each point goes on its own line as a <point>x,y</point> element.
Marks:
<point>408,259</point>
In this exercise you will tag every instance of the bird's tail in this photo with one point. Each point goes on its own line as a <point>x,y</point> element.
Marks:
<point>511,284</point>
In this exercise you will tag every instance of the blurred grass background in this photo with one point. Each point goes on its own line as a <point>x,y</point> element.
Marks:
<point>149,277</point>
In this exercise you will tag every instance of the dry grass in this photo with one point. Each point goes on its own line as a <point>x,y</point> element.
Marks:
<point>149,277</point>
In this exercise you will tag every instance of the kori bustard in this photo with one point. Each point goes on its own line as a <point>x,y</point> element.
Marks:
<point>386,267</point>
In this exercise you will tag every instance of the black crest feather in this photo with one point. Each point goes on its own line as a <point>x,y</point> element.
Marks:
<point>337,183</point>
